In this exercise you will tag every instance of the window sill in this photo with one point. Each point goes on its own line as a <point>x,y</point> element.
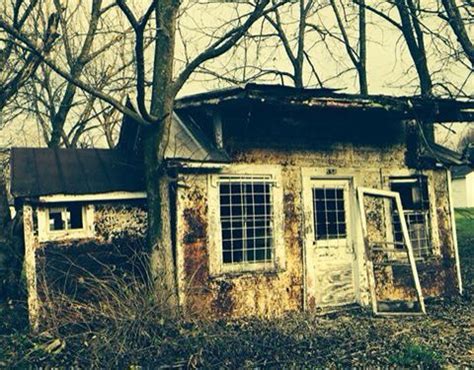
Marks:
<point>234,273</point>
<point>54,236</point>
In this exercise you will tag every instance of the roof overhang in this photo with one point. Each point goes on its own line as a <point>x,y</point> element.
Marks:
<point>402,107</point>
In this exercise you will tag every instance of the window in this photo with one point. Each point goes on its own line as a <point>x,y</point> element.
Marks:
<point>65,218</point>
<point>414,196</point>
<point>246,217</point>
<point>329,213</point>
<point>246,220</point>
<point>65,221</point>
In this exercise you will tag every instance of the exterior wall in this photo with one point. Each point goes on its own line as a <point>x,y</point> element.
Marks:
<point>463,191</point>
<point>470,190</point>
<point>62,266</point>
<point>272,293</point>
<point>460,192</point>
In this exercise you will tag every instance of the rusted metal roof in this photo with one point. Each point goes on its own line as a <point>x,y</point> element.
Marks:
<point>45,171</point>
<point>400,107</point>
<point>460,172</point>
<point>440,154</point>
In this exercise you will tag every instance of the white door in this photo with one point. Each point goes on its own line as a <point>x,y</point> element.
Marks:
<point>329,251</point>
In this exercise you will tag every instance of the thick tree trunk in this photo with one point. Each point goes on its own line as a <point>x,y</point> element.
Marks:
<point>414,38</point>
<point>159,227</point>
<point>159,224</point>
<point>415,41</point>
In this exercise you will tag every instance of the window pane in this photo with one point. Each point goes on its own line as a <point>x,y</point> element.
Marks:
<point>414,196</point>
<point>246,219</point>
<point>329,213</point>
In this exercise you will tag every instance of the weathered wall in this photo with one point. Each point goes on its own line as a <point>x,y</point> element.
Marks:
<point>271,293</point>
<point>437,273</point>
<point>66,266</point>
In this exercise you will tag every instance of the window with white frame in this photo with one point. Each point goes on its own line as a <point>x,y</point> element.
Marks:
<point>415,201</point>
<point>246,220</point>
<point>65,221</point>
<point>65,218</point>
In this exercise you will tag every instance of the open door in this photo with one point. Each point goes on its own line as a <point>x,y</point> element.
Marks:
<point>393,277</point>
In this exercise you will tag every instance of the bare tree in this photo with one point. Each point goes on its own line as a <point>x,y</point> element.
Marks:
<point>454,18</point>
<point>155,118</point>
<point>358,58</point>
<point>414,37</point>
<point>62,114</point>
<point>16,64</point>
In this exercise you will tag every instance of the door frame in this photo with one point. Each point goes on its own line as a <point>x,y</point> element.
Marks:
<point>359,271</point>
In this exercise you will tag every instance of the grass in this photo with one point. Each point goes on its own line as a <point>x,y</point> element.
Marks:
<point>443,338</point>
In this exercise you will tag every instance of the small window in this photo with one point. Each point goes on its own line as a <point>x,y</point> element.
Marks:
<point>246,218</point>
<point>414,197</point>
<point>66,218</point>
<point>329,213</point>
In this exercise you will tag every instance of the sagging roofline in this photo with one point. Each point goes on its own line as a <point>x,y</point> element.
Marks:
<point>400,107</point>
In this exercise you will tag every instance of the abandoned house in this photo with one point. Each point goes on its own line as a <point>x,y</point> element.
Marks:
<point>285,199</point>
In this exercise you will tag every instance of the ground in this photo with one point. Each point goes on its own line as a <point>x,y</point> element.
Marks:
<point>443,338</point>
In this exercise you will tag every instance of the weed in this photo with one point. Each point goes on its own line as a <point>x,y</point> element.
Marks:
<point>413,354</point>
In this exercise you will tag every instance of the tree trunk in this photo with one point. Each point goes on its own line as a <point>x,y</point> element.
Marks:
<point>156,140</point>
<point>414,38</point>
<point>9,271</point>
<point>159,226</point>
<point>362,65</point>
<point>415,41</point>
<point>455,20</point>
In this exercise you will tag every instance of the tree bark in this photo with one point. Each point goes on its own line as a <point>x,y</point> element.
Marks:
<point>157,181</point>
<point>455,21</point>
<point>362,65</point>
<point>414,38</point>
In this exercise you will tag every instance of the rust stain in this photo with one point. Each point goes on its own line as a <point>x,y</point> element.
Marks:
<point>223,303</point>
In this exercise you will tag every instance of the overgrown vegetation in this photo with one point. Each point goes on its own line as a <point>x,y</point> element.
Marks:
<point>129,329</point>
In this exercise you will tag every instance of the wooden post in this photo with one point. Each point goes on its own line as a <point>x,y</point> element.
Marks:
<point>30,267</point>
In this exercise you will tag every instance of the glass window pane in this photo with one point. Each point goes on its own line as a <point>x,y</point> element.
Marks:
<point>329,213</point>
<point>248,237</point>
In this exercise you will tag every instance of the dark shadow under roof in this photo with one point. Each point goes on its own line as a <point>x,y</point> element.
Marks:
<point>45,171</point>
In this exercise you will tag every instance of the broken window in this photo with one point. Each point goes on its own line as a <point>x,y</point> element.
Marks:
<point>329,213</point>
<point>246,217</point>
<point>66,218</point>
<point>414,196</point>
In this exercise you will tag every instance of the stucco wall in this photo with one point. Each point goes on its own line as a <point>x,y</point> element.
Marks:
<point>272,293</point>
<point>63,266</point>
